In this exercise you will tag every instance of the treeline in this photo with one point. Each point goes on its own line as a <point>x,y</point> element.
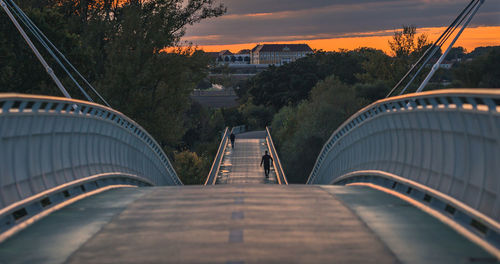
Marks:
<point>120,47</point>
<point>305,101</point>
<point>478,69</point>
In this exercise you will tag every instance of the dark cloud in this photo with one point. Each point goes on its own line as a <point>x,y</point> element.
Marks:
<point>269,6</point>
<point>281,20</point>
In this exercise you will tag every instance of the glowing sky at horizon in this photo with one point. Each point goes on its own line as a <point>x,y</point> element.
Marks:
<point>342,24</point>
<point>470,39</point>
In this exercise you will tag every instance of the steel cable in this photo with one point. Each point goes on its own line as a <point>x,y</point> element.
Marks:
<point>436,45</point>
<point>45,42</point>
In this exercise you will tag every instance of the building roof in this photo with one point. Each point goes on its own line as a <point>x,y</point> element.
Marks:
<point>282,47</point>
<point>244,51</point>
<point>225,52</point>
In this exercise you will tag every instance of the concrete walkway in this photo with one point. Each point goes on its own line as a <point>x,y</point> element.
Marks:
<point>241,224</point>
<point>241,164</point>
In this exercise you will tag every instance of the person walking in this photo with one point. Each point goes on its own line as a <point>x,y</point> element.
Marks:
<point>232,137</point>
<point>267,161</point>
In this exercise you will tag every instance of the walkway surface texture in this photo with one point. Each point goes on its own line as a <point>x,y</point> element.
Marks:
<point>242,222</point>
<point>241,164</point>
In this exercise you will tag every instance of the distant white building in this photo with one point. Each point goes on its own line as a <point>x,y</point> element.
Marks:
<point>278,54</point>
<point>446,65</point>
<point>227,57</point>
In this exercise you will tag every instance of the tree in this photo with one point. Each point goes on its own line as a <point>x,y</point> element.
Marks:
<point>121,47</point>
<point>291,83</point>
<point>404,43</point>
<point>301,131</point>
<point>480,51</point>
<point>256,116</point>
<point>89,31</point>
<point>406,47</point>
<point>480,72</point>
<point>456,53</point>
<point>143,81</point>
<point>190,167</point>
<point>20,70</point>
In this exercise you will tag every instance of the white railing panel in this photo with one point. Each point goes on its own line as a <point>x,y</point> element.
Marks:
<point>48,141</point>
<point>448,140</point>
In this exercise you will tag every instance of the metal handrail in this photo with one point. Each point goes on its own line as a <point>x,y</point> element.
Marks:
<point>463,99</point>
<point>56,150</point>
<point>277,163</point>
<point>16,104</point>
<point>214,170</point>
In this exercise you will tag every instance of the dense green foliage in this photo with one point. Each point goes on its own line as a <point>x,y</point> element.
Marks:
<point>194,169</point>
<point>482,71</point>
<point>120,47</point>
<point>304,129</point>
<point>291,83</point>
<point>305,101</point>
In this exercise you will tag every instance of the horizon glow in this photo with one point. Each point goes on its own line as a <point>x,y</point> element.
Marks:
<point>470,39</point>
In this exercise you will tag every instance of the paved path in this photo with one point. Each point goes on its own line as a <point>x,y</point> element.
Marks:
<point>241,224</point>
<point>241,164</point>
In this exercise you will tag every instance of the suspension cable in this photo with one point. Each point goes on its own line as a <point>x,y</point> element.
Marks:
<point>436,66</point>
<point>42,38</point>
<point>434,47</point>
<point>442,42</point>
<point>51,49</point>
<point>35,50</point>
<point>44,44</point>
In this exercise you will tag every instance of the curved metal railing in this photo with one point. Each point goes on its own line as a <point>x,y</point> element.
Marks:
<point>445,140</point>
<point>463,101</point>
<point>280,173</point>
<point>214,170</point>
<point>50,141</point>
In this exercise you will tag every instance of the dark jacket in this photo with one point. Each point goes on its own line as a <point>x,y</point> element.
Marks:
<point>267,161</point>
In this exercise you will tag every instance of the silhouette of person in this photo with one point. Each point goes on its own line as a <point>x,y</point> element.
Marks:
<point>267,161</point>
<point>232,137</point>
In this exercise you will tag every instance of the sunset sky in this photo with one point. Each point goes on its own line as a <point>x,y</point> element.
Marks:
<point>346,24</point>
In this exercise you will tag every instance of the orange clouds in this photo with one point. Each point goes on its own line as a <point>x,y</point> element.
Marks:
<point>470,39</point>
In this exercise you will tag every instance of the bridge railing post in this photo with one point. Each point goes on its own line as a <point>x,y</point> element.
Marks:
<point>280,173</point>
<point>214,170</point>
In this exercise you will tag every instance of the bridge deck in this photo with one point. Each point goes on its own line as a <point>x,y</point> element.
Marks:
<point>240,164</point>
<point>240,224</point>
